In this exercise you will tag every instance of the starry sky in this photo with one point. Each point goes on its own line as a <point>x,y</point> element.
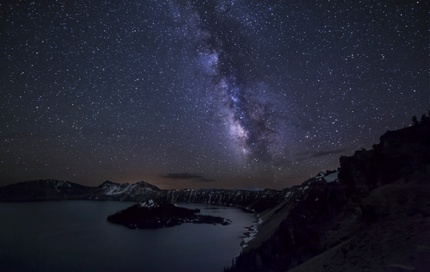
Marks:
<point>204,94</point>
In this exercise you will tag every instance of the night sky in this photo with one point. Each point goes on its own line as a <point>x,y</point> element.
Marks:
<point>219,94</point>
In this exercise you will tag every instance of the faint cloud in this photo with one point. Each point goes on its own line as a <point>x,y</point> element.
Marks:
<point>309,155</point>
<point>186,176</point>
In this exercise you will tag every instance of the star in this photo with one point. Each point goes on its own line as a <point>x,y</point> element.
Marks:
<point>244,93</point>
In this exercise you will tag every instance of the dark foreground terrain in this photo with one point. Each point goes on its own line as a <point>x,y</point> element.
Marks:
<point>373,214</point>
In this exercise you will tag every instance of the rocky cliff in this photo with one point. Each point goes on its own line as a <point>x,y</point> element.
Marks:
<point>254,201</point>
<point>375,216</point>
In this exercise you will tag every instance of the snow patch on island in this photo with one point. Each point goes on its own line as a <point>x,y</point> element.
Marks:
<point>148,204</point>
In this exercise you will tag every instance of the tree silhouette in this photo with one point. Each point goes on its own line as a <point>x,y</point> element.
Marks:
<point>414,120</point>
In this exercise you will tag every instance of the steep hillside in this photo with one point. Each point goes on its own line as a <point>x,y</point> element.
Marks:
<point>388,231</point>
<point>373,217</point>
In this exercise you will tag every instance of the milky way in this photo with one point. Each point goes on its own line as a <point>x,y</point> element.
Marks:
<point>236,93</point>
<point>221,35</point>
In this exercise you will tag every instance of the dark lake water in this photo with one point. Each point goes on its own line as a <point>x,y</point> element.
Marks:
<point>75,236</point>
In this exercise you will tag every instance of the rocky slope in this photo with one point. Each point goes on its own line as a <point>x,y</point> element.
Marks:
<point>375,216</point>
<point>387,231</point>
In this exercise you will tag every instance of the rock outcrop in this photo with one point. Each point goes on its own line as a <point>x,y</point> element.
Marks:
<point>398,155</point>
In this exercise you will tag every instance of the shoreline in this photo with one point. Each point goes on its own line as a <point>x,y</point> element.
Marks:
<point>250,233</point>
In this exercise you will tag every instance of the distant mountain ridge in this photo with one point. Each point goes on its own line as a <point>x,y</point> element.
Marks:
<point>39,190</point>
<point>51,189</point>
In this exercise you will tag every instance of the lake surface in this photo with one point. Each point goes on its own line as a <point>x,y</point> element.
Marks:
<point>75,236</point>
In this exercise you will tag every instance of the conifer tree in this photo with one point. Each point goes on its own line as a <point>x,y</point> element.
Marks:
<point>414,120</point>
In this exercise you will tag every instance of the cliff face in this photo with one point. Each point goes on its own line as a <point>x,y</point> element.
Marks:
<point>398,155</point>
<point>380,197</point>
<point>254,201</point>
